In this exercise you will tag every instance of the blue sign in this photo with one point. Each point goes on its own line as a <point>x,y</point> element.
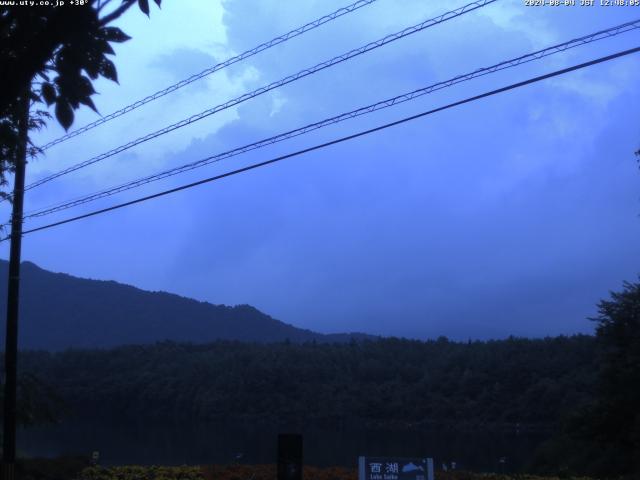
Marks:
<point>392,468</point>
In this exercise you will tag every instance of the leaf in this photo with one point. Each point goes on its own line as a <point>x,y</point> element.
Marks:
<point>158,2</point>
<point>144,6</point>
<point>108,70</point>
<point>68,62</point>
<point>92,66</point>
<point>64,113</point>
<point>114,34</point>
<point>48,93</point>
<point>89,103</point>
<point>85,88</point>
<point>105,47</point>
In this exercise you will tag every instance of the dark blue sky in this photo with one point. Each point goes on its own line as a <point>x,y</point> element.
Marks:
<point>511,215</point>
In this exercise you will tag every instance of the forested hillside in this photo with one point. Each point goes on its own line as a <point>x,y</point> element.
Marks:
<point>59,311</point>
<point>496,384</point>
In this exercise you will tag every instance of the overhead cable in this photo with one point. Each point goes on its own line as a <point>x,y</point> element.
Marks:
<point>586,39</point>
<point>208,71</point>
<point>284,81</point>
<point>336,141</point>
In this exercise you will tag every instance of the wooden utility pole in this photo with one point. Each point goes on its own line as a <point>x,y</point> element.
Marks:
<point>11,341</point>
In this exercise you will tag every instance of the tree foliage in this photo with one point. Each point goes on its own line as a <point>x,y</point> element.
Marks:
<point>603,437</point>
<point>616,417</point>
<point>391,382</point>
<point>53,55</point>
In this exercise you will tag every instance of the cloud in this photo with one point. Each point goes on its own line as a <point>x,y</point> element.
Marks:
<point>161,52</point>
<point>510,215</point>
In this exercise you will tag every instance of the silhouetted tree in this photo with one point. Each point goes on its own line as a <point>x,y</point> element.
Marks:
<point>54,54</point>
<point>616,417</point>
<point>603,438</point>
<point>47,54</point>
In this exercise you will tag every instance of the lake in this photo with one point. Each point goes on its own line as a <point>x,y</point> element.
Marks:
<point>220,443</point>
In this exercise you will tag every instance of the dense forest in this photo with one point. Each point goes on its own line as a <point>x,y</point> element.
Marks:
<point>582,391</point>
<point>509,384</point>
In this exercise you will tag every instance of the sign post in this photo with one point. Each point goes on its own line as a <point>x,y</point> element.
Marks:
<point>392,468</point>
<point>289,456</point>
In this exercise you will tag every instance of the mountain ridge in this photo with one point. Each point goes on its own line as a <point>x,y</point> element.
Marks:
<point>60,311</point>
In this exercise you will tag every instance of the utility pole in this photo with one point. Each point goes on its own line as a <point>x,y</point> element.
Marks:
<point>11,341</point>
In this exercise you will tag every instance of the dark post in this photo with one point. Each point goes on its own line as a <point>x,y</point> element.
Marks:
<point>289,457</point>
<point>11,341</point>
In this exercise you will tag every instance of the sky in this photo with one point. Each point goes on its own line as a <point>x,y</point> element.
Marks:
<point>512,215</point>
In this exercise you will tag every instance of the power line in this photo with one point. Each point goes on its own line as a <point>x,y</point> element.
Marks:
<point>243,56</point>
<point>610,32</point>
<point>338,140</point>
<point>284,81</point>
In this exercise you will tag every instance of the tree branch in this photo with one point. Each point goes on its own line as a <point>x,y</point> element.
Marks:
<point>126,5</point>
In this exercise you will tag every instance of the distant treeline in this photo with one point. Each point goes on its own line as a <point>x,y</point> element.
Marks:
<point>494,384</point>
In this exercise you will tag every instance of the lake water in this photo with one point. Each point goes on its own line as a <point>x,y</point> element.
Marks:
<point>323,446</point>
